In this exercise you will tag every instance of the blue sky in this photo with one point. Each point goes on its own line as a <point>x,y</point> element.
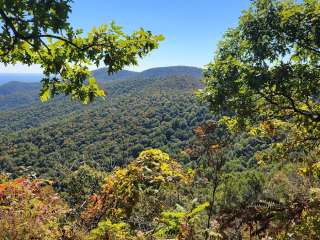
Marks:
<point>192,28</point>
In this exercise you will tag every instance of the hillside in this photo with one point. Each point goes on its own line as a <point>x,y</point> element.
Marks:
<point>227,152</point>
<point>172,71</point>
<point>17,94</point>
<point>101,75</point>
<point>14,94</point>
<point>139,113</point>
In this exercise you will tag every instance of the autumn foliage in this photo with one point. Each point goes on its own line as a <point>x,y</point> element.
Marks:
<point>125,188</point>
<point>30,209</point>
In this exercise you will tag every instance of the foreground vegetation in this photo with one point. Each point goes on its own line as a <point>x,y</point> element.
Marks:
<point>250,172</point>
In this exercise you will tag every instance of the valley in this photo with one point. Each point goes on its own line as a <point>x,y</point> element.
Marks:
<point>153,109</point>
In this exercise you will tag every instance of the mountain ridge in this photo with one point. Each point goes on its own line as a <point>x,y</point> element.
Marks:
<point>169,71</point>
<point>20,94</point>
<point>102,75</point>
<point>138,113</point>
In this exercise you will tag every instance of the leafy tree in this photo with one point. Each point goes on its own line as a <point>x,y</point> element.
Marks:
<point>77,186</point>
<point>268,66</point>
<point>128,191</point>
<point>264,79</point>
<point>223,177</point>
<point>206,150</point>
<point>182,223</point>
<point>38,32</point>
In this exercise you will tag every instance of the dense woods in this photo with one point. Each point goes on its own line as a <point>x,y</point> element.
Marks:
<point>50,140</point>
<point>174,153</point>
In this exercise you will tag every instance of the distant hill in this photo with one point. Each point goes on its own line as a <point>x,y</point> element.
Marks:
<point>16,87</point>
<point>139,112</point>
<point>172,71</point>
<point>23,93</point>
<point>19,77</point>
<point>15,94</point>
<point>102,75</point>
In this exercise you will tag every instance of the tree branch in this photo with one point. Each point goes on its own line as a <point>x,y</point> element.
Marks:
<point>9,23</point>
<point>314,116</point>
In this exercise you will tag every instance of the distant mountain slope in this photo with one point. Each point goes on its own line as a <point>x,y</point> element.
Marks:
<point>101,75</point>
<point>22,94</point>
<point>16,94</point>
<point>20,116</point>
<point>172,71</point>
<point>16,87</point>
<point>139,113</point>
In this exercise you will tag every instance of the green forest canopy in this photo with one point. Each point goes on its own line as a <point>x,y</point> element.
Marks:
<point>251,172</point>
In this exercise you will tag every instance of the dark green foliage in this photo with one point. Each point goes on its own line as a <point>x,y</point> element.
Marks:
<point>140,113</point>
<point>264,82</point>
<point>18,94</point>
<point>160,72</point>
<point>251,171</point>
<point>77,186</point>
<point>269,64</point>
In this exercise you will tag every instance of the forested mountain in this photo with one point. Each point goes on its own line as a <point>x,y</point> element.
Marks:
<point>138,113</point>
<point>173,71</point>
<point>16,94</point>
<point>101,75</point>
<point>151,158</point>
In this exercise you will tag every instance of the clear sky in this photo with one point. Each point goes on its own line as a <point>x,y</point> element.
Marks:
<point>192,27</point>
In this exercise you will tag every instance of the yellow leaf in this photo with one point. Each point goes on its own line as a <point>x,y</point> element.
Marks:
<point>45,95</point>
